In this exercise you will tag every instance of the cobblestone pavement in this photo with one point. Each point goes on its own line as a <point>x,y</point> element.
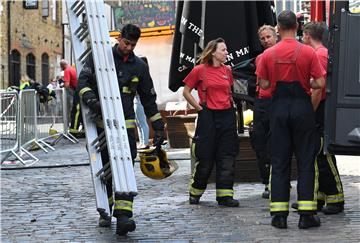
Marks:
<point>57,204</point>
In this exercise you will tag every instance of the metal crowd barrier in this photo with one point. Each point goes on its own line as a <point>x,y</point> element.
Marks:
<point>52,119</point>
<point>9,102</point>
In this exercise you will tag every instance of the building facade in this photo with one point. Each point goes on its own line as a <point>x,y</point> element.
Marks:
<point>31,41</point>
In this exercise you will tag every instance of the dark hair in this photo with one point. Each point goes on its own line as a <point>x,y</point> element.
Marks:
<point>206,55</point>
<point>287,20</point>
<point>130,32</point>
<point>315,30</point>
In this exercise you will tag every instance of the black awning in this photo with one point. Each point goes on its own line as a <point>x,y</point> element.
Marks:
<point>198,22</point>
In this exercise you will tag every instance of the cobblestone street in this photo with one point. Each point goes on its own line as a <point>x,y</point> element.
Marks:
<point>56,203</point>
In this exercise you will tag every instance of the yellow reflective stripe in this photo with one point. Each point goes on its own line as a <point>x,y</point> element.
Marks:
<point>224,192</point>
<point>335,198</point>
<point>123,205</point>
<point>196,192</point>
<point>321,196</point>
<point>155,117</point>
<point>279,206</point>
<point>335,173</point>
<point>110,200</point>
<point>126,90</point>
<point>84,90</point>
<point>269,186</point>
<point>77,114</point>
<point>316,180</point>
<point>135,79</point>
<point>130,123</point>
<point>307,205</point>
<point>193,150</point>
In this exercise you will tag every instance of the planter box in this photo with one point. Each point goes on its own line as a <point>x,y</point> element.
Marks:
<point>178,127</point>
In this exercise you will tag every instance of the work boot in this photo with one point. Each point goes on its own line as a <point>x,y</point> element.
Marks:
<point>124,225</point>
<point>266,193</point>
<point>194,200</point>
<point>333,209</point>
<point>308,221</point>
<point>104,221</point>
<point>228,202</point>
<point>279,221</point>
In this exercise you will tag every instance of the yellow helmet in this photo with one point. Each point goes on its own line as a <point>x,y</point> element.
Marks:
<point>154,164</point>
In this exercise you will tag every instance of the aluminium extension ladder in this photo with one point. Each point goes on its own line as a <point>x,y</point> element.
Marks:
<point>87,22</point>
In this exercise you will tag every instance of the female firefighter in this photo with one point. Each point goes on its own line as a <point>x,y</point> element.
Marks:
<point>215,139</point>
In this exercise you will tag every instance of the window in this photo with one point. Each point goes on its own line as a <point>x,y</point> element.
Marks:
<point>45,69</point>
<point>31,66</point>
<point>45,9</point>
<point>15,64</point>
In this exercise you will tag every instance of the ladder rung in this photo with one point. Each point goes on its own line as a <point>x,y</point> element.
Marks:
<point>107,165</point>
<point>85,54</point>
<point>98,138</point>
<point>78,5</point>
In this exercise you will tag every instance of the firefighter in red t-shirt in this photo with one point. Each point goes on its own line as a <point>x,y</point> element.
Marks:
<point>290,65</point>
<point>215,139</point>
<point>261,128</point>
<point>70,82</point>
<point>330,186</point>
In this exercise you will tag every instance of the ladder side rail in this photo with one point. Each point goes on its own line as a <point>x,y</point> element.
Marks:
<point>90,126</point>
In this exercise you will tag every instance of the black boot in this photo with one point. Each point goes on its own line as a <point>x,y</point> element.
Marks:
<point>194,200</point>
<point>308,221</point>
<point>124,225</point>
<point>279,221</point>
<point>104,221</point>
<point>228,202</point>
<point>333,209</point>
<point>266,193</point>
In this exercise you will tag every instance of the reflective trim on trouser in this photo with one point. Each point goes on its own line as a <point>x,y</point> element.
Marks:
<point>307,205</point>
<point>196,192</point>
<point>111,200</point>
<point>130,123</point>
<point>279,207</point>
<point>321,196</point>
<point>224,193</point>
<point>338,198</point>
<point>335,173</point>
<point>123,205</point>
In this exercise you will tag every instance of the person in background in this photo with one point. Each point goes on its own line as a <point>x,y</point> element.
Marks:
<point>70,83</point>
<point>261,126</point>
<point>133,77</point>
<point>215,139</point>
<point>141,123</point>
<point>288,66</point>
<point>330,187</point>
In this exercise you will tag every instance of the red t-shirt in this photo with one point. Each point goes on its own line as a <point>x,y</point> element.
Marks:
<point>307,64</point>
<point>262,93</point>
<point>322,53</point>
<point>217,82</point>
<point>70,77</point>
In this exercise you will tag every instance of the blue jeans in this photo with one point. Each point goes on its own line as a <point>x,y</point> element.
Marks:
<point>141,122</point>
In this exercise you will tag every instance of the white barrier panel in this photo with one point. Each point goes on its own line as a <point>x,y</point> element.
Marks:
<point>8,123</point>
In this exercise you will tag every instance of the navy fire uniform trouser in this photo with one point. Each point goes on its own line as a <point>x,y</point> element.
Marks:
<point>215,142</point>
<point>292,125</point>
<point>260,137</point>
<point>123,203</point>
<point>76,117</point>
<point>330,186</point>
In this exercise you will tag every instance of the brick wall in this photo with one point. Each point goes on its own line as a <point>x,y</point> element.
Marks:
<point>31,33</point>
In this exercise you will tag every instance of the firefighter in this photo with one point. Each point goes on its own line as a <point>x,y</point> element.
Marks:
<point>133,77</point>
<point>330,186</point>
<point>215,139</point>
<point>260,133</point>
<point>70,82</point>
<point>289,65</point>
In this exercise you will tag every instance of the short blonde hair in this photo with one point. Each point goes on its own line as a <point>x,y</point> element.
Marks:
<point>267,27</point>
